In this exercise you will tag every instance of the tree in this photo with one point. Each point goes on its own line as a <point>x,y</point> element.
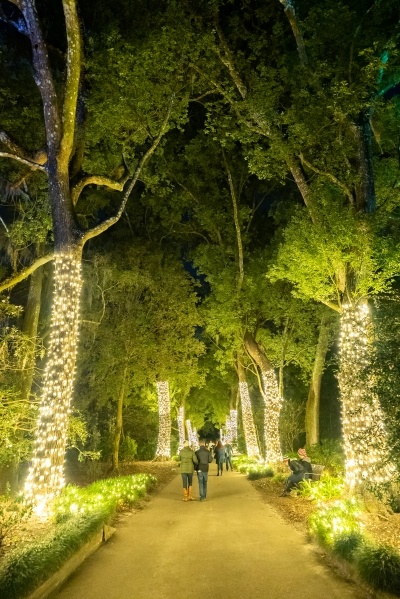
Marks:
<point>61,103</point>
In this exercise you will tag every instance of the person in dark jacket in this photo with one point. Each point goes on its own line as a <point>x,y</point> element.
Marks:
<point>187,459</point>
<point>296,476</point>
<point>305,462</point>
<point>204,458</point>
<point>228,456</point>
<point>219,455</point>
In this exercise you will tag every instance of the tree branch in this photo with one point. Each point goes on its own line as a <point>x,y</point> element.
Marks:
<point>24,274</point>
<point>336,181</point>
<point>227,59</point>
<point>111,221</point>
<point>293,19</point>
<point>33,165</point>
<point>95,180</point>
<point>74,50</point>
<point>237,225</point>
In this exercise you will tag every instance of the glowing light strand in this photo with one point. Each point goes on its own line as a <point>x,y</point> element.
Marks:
<point>248,422</point>
<point>164,421</point>
<point>364,434</point>
<point>272,409</point>
<point>46,473</point>
<point>233,419</point>
<point>181,427</point>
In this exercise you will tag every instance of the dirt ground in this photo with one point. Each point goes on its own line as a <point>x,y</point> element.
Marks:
<point>381,525</point>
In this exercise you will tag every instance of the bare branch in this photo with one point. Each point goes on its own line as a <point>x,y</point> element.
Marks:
<point>237,224</point>
<point>32,165</point>
<point>24,274</point>
<point>295,25</point>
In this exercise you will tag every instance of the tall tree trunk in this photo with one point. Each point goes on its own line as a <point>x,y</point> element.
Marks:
<point>119,422</point>
<point>364,434</point>
<point>272,400</point>
<point>181,426</point>
<point>249,428</point>
<point>314,393</point>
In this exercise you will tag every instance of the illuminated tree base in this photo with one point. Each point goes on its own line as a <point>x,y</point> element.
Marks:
<point>364,434</point>
<point>163,450</point>
<point>46,474</point>
<point>248,422</point>
<point>272,410</point>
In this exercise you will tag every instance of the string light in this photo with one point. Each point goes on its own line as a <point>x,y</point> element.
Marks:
<point>164,421</point>
<point>181,427</point>
<point>364,434</point>
<point>233,419</point>
<point>248,422</point>
<point>272,410</point>
<point>46,473</point>
<point>192,433</point>
<point>228,430</point>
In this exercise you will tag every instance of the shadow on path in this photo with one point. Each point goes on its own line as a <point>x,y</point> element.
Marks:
<point>231,546</point>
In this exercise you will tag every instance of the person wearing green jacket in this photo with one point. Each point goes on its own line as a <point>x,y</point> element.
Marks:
<point>188,460</point>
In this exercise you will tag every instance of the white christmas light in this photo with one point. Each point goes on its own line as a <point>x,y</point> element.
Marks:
<point>248,422</point>
<point>233,419</point>
<point>46,473</point>
<point>272,410</point>
<point>164,421</point>
<point>181,427</point>
<point>192,433</point>
<point>364,434</point>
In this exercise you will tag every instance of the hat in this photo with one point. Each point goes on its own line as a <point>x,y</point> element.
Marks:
<point>302,452</point>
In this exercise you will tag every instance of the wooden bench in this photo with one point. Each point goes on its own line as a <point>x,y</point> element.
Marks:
<point>317,470</point>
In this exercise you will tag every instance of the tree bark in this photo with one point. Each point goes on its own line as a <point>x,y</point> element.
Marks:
<point>314,394</point>
<point>119,422</point>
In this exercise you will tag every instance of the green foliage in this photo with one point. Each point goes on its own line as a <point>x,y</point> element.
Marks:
<point>12,513</point>
<point>79,514</point>
<point>330,454</point>
<point>25,569</point>
<point>345,545</point>
<point>340,517</point>
<point>379,566</point>
<point>128,449</point>
<point>325,489</point>
<point>255,472</point>
<point>104,496</point>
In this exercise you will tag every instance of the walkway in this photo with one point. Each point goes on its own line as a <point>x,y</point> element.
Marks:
<point>232,546</point>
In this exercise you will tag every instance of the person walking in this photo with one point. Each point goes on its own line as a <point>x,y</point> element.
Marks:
<point>219,457</point>
<point>228,456</point>
<point>204,458</point>
<point>188,459</point>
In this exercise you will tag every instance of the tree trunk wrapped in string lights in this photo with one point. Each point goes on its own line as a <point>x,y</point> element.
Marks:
<point>249,428</point>
<point>163,450</point>
<point>181,427</point>
<point>272,411</point>
<point>233,419</point>
<point>46,474</point>
<point>365,438</point>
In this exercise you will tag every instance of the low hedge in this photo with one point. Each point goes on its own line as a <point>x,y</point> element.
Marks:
<point>79,513</point>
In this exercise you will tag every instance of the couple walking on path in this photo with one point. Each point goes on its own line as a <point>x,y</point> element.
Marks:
<point>190,461</point>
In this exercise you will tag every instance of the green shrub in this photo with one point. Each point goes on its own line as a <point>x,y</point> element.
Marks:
<point>379,566</point>
<point>13,511</point>
<point>26,569</point>
<point>254,472</point>
<point>330,454</point>
<point>346,544</point>
<point>328,487</point>
<point>341,517</point>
